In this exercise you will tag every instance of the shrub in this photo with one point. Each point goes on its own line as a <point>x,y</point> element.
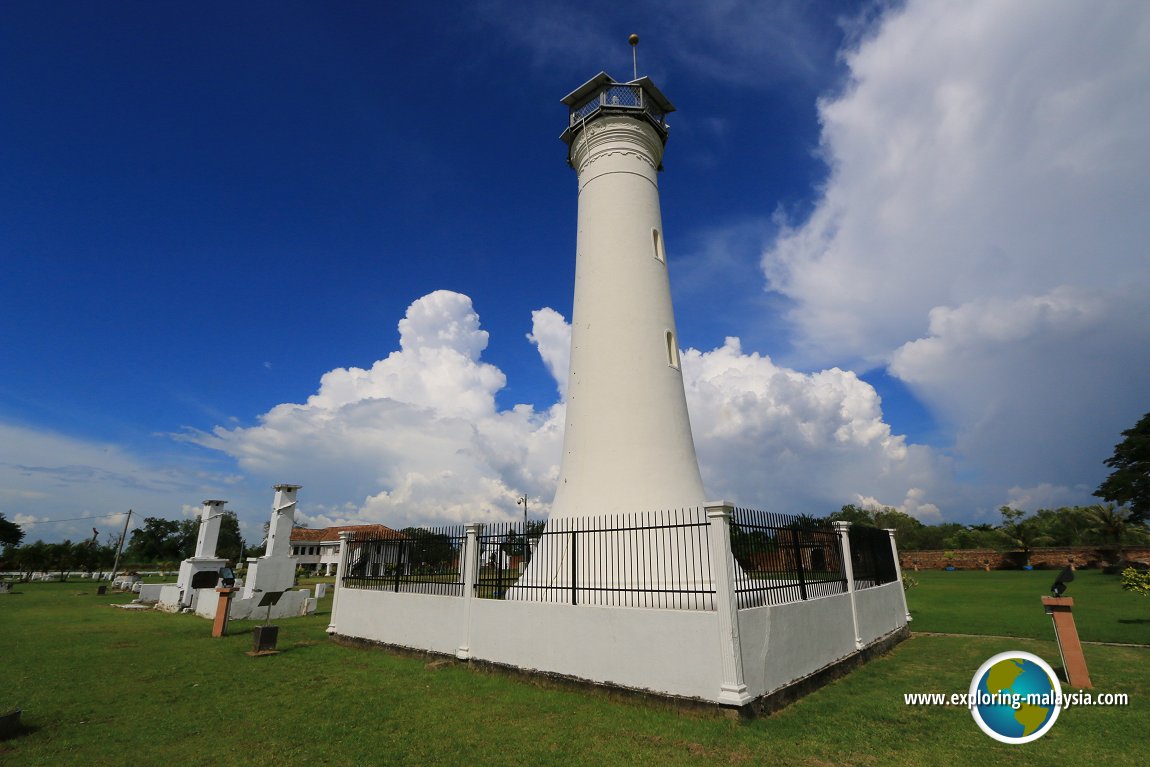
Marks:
<point>1139,583</point>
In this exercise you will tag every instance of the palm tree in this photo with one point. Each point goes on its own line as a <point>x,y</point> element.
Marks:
<point>1021,533</point>
<point>1112,524</point>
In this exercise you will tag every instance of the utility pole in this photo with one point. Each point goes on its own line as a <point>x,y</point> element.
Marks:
<point>120,548</point>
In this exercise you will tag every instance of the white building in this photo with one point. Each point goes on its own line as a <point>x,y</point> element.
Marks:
<point>318,550</point>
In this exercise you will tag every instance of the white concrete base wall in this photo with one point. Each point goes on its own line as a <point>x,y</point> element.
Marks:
<point>782,643</point>
<point>672,652</point>
<point>292,604</point>
<point>881,611</point>
<point>669,652</point>
<point>418,621</point>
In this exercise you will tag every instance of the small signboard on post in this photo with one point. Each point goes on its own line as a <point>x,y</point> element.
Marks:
<point>264,637</point>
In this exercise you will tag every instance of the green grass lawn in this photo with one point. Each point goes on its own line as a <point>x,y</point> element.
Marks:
<point>106,687</point>
<point>1008,603</point>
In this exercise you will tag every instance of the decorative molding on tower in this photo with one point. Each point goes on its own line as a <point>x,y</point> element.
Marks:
<point>615,135</point>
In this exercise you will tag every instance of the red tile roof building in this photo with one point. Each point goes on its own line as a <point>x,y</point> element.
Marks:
<point>318,549</point>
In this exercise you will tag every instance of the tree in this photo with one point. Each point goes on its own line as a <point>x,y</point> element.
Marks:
<point>61,557</point>
<point>89,555</point>
<point>161,540</point>
<point>429,548</point>
<point>31,557</point>
<point>173,540</point>
<point>1067,526</point>
<point>1114,526</point>
<point>516,544</point>
<point>931,537</point>
<point>980,536</point>
<point>856,515</point>
<point>10,533</point>
<point>230,544</point>
<point>908,531</point>
<point>1022,533</point>
<point>1129,483</point>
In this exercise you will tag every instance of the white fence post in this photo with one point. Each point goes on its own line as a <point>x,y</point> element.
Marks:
<point>898,572</point>
<point>340,571</point>
<point>732,687</point>
<point>470,558</point>
<point>844,531</point>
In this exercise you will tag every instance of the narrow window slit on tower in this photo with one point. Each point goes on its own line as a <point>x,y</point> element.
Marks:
<point>658,243</point>
<point>672,350</point>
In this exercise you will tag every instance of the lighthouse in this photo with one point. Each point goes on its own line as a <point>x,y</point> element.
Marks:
<point>627,445</point>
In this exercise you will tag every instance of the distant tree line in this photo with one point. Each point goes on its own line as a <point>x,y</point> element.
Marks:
<point>1098,525</point>
<point>1120,522</point>
<point>85,556</point>
<point>157,543</point>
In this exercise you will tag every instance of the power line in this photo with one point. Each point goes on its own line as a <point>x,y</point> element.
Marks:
<point>73,519</point>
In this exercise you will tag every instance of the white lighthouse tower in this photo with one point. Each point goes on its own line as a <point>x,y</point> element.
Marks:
<point>627,447</point>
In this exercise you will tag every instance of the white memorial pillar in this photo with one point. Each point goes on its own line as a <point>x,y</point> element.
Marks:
<point>204,559</point>
<point>282,521</point>
<point>275,570</point>
<point>211,518</point>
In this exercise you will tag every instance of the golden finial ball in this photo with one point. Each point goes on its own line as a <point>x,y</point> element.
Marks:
<point>633,39</point>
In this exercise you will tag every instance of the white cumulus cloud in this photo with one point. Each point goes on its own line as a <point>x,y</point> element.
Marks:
<point>50,477</point>
<point>1027,381</point>
<point>417,438</point>
<point>982,230</point>
<point>552,337</point>
<point>780,439</point>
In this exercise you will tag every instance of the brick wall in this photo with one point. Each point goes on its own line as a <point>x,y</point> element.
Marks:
<point>1048,557</point>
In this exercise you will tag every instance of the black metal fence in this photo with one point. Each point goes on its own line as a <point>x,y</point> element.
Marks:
<point>783,558</point>
<point>872,557</point>
<point>503,552</point>
<point>425,560</point>
<point>657,559</point>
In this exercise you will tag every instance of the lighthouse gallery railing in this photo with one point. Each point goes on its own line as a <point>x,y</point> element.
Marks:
<point>620,96</point>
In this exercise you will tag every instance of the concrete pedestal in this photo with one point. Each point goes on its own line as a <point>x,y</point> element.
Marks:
<point>220,625</point>
<point>292,604</point>
<point>1069,647</point>
<point>188,569</point>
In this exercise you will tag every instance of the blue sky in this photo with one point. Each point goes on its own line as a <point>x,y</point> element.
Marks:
<point>929,247</point>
